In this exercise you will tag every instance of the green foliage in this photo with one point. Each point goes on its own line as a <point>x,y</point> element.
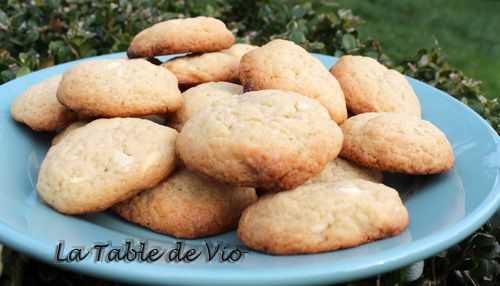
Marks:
<point>36,34</point>
<point>432,67</point>
<point>467,31</point>
<point>43,33</point>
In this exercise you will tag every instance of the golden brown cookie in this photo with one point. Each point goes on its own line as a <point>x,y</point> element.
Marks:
<point>119,88</point>
<point>223,65</point>
<point>371,87</point>
<point>195,35</point>
<point>284,65</point>
<point>396,142</point>
<point>105,162</point>
<point>322,217</point>
<point>201,96</point>
<point>341,169</point>
<point>188,205</point>
<point>271,138</point>
<point>39,108</point>
<point>73,126</point>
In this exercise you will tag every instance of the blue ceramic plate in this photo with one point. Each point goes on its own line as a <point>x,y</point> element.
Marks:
<point>443,209</point>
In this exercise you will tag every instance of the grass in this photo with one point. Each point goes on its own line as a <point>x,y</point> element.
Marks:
<point>468,31</point>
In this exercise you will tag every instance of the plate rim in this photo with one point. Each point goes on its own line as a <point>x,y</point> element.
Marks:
<point>421,249</point>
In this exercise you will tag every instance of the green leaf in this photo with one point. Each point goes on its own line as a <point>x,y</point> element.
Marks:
<point>297,36</point>
<point>22,71</point>
<point>484,240</point>
<point>4,21</point>
<point>424,60</point>
<point>60,51</point>
<point>413,272</point>
<point>486,270</point>
<point>349,42</point>
<point>298,12</point>
<point>7,75</point>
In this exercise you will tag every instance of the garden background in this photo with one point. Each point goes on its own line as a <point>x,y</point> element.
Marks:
<point>453,45</point>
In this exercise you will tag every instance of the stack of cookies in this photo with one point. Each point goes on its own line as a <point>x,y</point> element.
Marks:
<point>269,118</point>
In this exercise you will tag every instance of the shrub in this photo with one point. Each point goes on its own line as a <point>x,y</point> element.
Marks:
<point>37,34</point>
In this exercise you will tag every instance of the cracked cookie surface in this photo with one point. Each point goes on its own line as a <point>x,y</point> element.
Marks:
<point>322,217</point>
<point>341,169</point>
<point>369,86</point>
<point>284,65</point>
<point>119,88</point>
<point>105,162</point>
<point>201,96</point>
<point>272,139</point>
<point>188,205</point>
<point>396,142</point>
<point>70,128</point>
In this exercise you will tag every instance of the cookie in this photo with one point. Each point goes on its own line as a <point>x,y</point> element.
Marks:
<point>195,35</point>
<point>73,126</point>
<point>187,205</point>
<point>396,142</point>
<point>119,88</point>
<point>239,50</point>
<point>216,66</point>
<point>271,138</point>
<point>284,65</point>
<point>105,162</point>
<point>201,96</point>
<point>322,217</point>
<point>39,108</point>
<point>340,169</point>
<point>371,87</point>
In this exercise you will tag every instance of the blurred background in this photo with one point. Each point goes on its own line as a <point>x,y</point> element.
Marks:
<point>468,31</point>
<point>453,45</point>
<point>39,33</point>
<point>450,44</point>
